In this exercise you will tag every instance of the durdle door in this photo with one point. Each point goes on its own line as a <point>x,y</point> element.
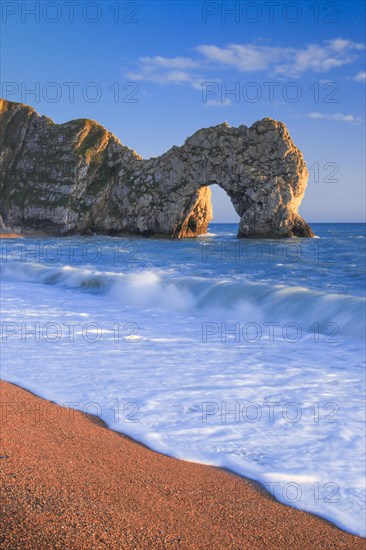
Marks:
<point>78,178</point>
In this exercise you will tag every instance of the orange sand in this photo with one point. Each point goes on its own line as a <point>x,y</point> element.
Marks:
<point>67,482</point>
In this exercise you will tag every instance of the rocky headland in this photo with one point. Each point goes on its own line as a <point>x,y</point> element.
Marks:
<point>78,178</point>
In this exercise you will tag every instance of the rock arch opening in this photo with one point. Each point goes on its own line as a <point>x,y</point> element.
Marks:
<point>210,203</point>
<point>223,210</point>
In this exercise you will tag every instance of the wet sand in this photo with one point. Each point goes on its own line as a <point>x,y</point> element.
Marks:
<point>68,482</point>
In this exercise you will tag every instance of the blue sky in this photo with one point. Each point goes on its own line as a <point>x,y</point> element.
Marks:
<point>155,72</point>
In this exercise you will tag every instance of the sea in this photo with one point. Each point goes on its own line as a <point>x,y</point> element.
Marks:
<point>243,354</point>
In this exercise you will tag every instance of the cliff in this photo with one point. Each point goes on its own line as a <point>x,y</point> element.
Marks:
<point>78,178</point>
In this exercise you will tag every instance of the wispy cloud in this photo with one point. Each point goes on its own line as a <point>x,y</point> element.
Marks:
<point>284,61</point>
<point>242,57</point>
<point>360,76</point>
<point>247,58</point>
<point>165,70</point>
<point>217,103</point>
<point>320,58</point>
<point>335,116</point>
<point>170,63</point>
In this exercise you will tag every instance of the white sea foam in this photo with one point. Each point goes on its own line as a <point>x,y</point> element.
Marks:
<point>240,299</point>
<point>177,367</point>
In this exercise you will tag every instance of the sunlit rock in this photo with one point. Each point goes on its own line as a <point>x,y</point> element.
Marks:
<point>78,178</point>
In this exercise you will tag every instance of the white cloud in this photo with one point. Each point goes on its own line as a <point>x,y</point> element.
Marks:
<point>320,58</point>
<point>284,61</point>
<point>335,116</point>
<point>169,62</point>
<point>247,58</point>
<point>339,44</point>
<point>217,103</point>
<point>243,57</point>
<point>360,76</point>
<point>164,70</point>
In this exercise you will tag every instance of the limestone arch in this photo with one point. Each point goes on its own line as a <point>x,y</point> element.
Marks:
<point>259,168</point>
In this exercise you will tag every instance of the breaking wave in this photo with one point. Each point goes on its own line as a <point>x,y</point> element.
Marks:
<point>236,298</point>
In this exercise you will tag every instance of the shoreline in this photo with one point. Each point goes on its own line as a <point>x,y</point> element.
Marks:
<point>162,501</point>
<point>257,485</point>
<point>11,236</point>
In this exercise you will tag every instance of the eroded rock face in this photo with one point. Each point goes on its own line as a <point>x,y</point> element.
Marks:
<point>78,178</point>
